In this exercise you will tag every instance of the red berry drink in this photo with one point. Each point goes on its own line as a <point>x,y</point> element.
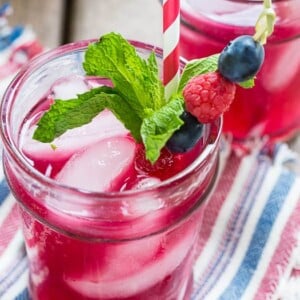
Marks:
<point>99,220</point>
<point>272,107</point>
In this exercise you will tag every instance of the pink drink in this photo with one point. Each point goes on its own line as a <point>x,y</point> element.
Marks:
<point>272,107</point>
<point>99,222</point>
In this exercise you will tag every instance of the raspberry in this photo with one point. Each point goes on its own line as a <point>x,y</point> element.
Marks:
<point>208,96</point>
<point>163,168</point>
<point>166,166</point>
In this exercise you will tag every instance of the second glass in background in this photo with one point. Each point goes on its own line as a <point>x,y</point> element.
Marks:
<point>272,107</point>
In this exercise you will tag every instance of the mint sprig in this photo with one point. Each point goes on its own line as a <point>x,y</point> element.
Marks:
<point>135,79</point>
<point>136,98</point>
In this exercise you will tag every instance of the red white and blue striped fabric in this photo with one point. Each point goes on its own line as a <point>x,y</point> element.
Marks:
<point>249,239</point>
<point>13,261</point>
<point>17,46</point>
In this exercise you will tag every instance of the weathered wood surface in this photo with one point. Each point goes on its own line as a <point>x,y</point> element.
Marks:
<point>135,19</point>
<point>60,21</point>
<point>45,18</point>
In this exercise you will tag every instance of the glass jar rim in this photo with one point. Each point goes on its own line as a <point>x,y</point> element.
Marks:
<point>210,23</point>
<point>12,148</point>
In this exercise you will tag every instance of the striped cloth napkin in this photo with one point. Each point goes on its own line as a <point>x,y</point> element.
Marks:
<point>248,246</point>
<point>18,45</point>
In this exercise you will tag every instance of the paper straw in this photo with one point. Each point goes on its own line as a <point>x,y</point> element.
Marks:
<point>171,33</point>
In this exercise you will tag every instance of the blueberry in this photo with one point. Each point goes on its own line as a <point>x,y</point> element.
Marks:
<point>241,59</point>
<point>185,138</point>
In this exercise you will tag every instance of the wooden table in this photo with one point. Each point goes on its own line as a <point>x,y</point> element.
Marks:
<point>61,21</point>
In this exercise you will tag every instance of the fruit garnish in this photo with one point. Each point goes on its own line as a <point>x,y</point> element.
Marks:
<point>167,165</point>
<point>163,168</point>
<point>241,59</point>
<point>137,96</point>
<point>209,95</point>
<point>186,137</point>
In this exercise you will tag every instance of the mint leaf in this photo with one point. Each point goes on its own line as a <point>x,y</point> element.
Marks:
<point>157,129</point>
<point>135,79</point>
<point>59,118</point>
<point>198,67</point>
<point>123,111</point>
<point>68,114</point>
<point>248,84</point>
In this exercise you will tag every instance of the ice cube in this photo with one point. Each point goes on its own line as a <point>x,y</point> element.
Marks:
<point>130,269</point>
<point>146,182</point>
<point>100,167</point>
<point>68,87</point>
<point>146,202</point>
<point>104,125</point>
<point>39,271</point>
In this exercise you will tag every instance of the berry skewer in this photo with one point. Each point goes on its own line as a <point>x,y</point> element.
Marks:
<point>207,96</point>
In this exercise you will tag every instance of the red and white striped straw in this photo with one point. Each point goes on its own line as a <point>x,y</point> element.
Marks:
<point>171,33</point>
